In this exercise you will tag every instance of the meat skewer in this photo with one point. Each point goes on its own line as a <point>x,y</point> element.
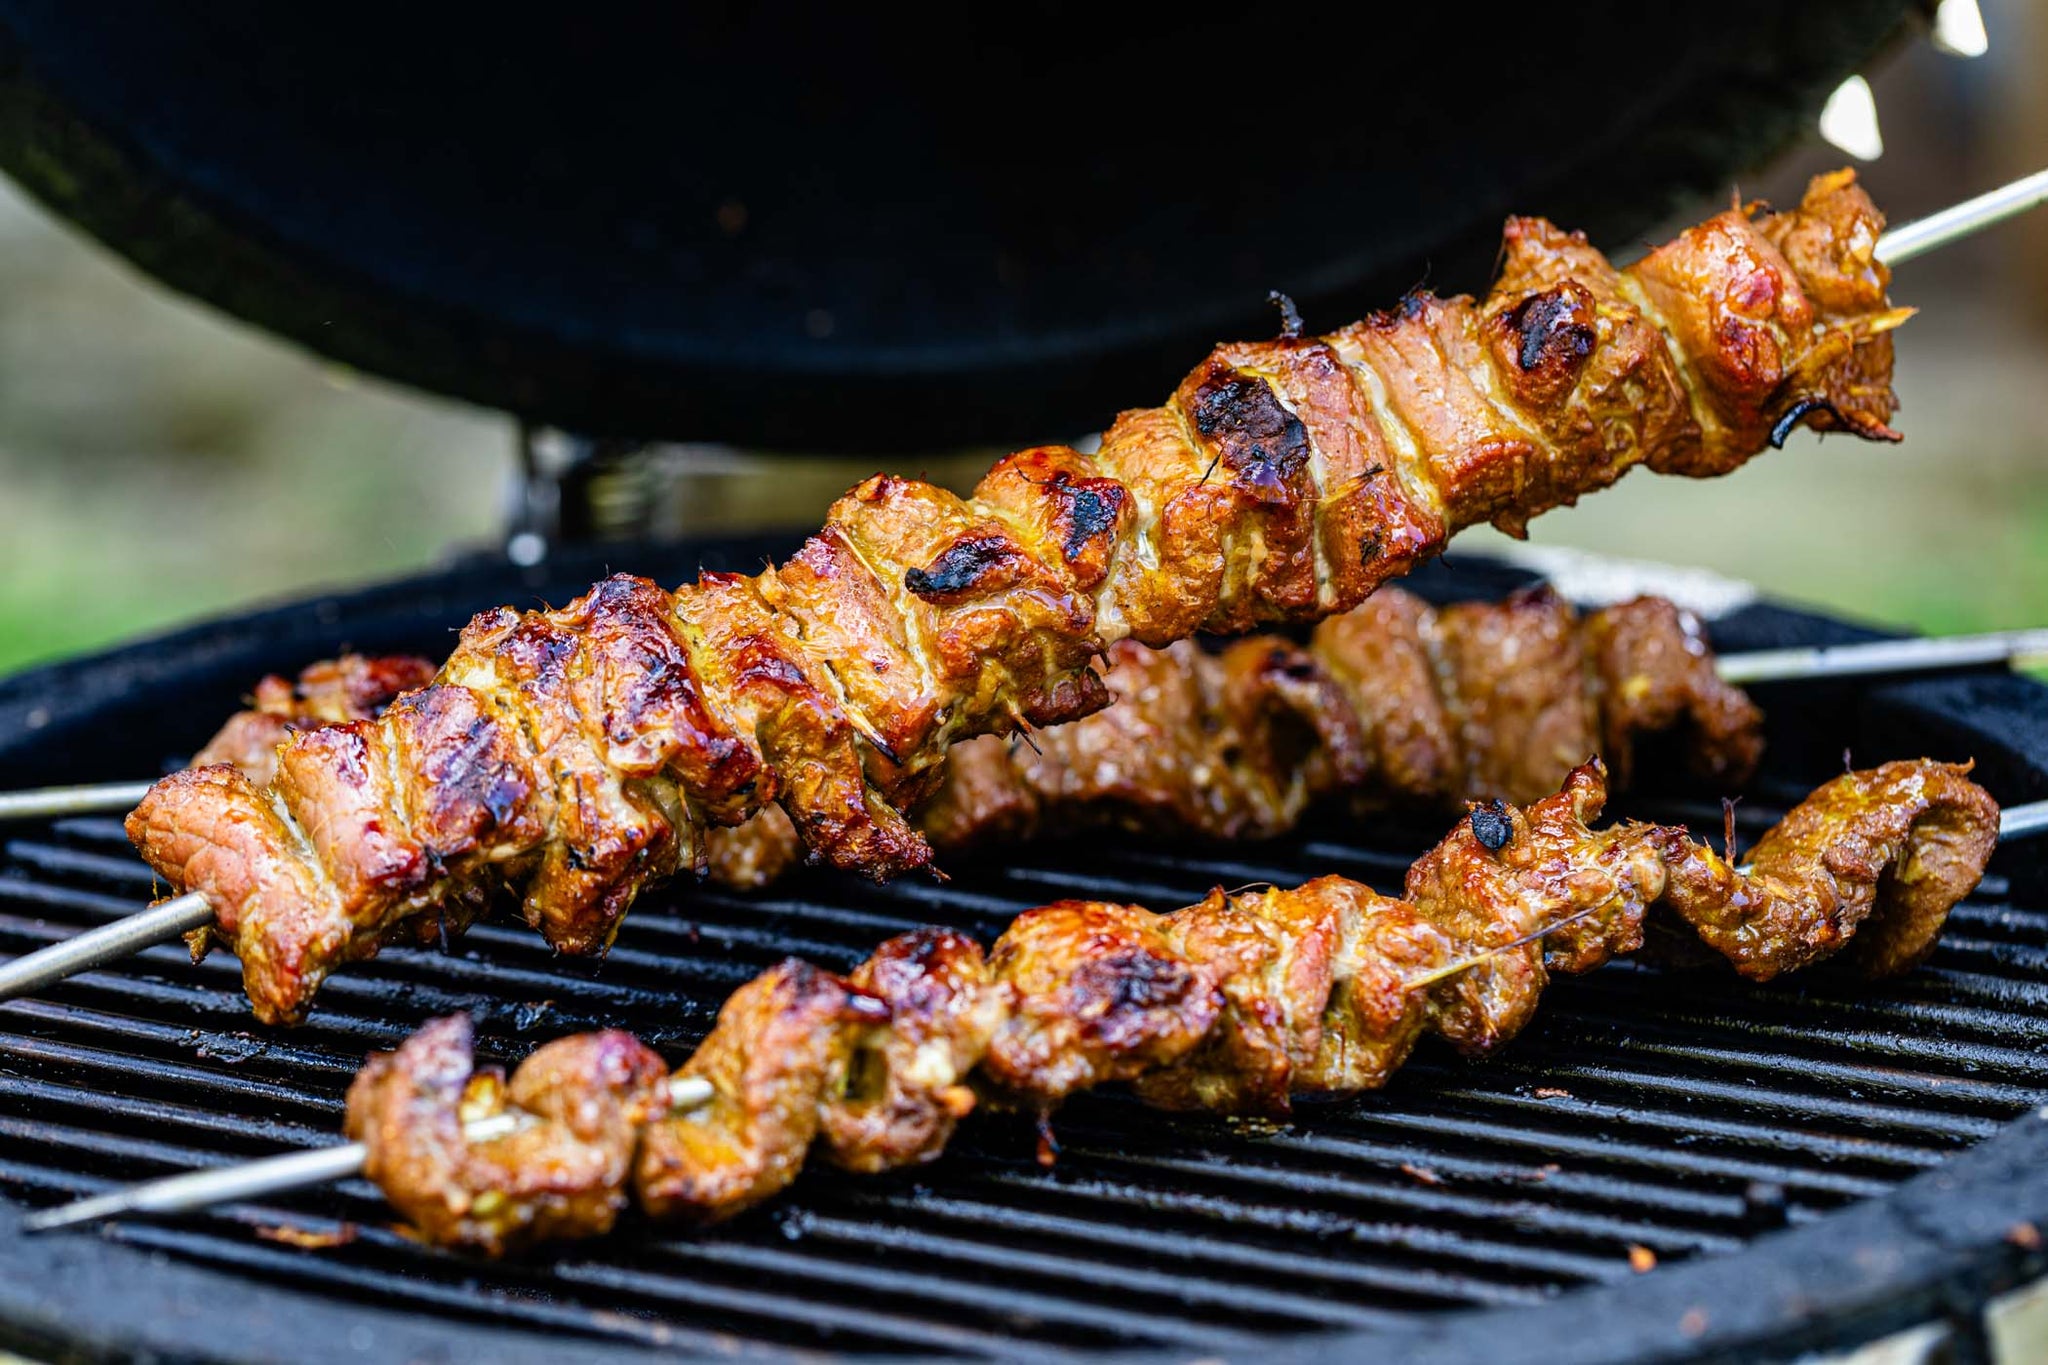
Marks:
<point>1236,1005</point>
<point>1380,704</point>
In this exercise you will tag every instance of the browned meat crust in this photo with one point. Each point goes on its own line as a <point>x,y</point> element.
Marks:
<point>1235,1005</point>
<point>1886,851</point>
<point>572,756</point>
<point>1392,703</point>
<point>563,1175</point>
<point>330,692</point>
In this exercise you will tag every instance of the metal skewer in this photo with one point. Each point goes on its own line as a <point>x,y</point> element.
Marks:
<point>1924,655</point>
<point>125,937</point>
<point>295,1170</point>
<point>252,1180</point>
<point>48,802</point>
<point>175,918</point>
<point>1883,656</point>
<point>1957,221</point>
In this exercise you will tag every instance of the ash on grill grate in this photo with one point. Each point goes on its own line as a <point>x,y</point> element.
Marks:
<point>1679,1113</point>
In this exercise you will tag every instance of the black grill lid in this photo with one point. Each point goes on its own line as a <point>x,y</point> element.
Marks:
<point>1899,1125</point>
<point>859,227</point>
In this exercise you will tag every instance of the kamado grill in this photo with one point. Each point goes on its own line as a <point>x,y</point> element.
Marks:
<point>1668,1164</point>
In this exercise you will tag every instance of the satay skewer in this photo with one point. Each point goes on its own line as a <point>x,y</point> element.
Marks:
<point>1802,663</point>
<point>93,798</point>
<point>1871,658</point>
<point>1199,1036</point>
<point>1957,221</point>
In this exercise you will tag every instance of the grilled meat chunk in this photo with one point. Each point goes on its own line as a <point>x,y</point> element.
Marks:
<point>563,1173</point>
<point>1099,993</point>
<point>780,1050</point>
<point>906,1084</point>
<point>1235,1005</point>
<point>330,692</point>
<point>1880,855</point>
<point>573,756</point>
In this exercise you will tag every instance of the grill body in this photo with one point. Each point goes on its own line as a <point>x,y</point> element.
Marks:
<point>1811,1164</point>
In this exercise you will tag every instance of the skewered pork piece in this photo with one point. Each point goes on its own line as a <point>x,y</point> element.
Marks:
<point>330,692</point>
<point>1234,1005</point>
<point>573,756</point>
<point>1394,703</point>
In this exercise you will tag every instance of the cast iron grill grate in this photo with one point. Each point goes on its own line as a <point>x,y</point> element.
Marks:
<point>1680,1113</point>
<point>1683,1115</point>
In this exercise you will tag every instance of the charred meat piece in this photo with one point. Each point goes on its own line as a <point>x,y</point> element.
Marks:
<point>907,1082</point>
<point>562,1174</point>
<point>330,692</point>
<point>780,1051</point>
<point>1886,851</point>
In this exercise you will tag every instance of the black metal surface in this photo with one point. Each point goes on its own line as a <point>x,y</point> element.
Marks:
<point>849,228</point>
<point>1810,1163</point>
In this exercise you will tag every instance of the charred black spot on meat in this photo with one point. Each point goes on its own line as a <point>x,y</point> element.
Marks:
<point>1551,330</point>
<point>1137,980</point>
<point>961,568</point>
<point>1491,825</point>
<point>538,649</point>
<point>1781,431</point>
<point>1369,549</point>
<point>1255,436</point>
<point>1091,512</point>
<point>623,591</point>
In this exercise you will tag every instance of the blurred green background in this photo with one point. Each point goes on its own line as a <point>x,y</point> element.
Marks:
<point>159,463</point>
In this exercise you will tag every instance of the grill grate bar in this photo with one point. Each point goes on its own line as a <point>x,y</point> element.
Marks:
<point>999,1304</point>
<point>1450,1207</point>
<point>1438,1126</point>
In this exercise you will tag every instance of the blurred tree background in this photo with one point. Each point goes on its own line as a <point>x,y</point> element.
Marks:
<point>159,463</point>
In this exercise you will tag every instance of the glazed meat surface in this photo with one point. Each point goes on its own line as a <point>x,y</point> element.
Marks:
<point>1236,1005</point>
<point>570,757</point>
<point>330,692</point>
<point>562,1176</point>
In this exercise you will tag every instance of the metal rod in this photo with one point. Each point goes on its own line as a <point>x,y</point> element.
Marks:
<point>1883,656</point>
<point>96,947</point>
<point>2022,822</point>
<point>1937,230</point>
<point>48,802</point>
<point>295,1170</point>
